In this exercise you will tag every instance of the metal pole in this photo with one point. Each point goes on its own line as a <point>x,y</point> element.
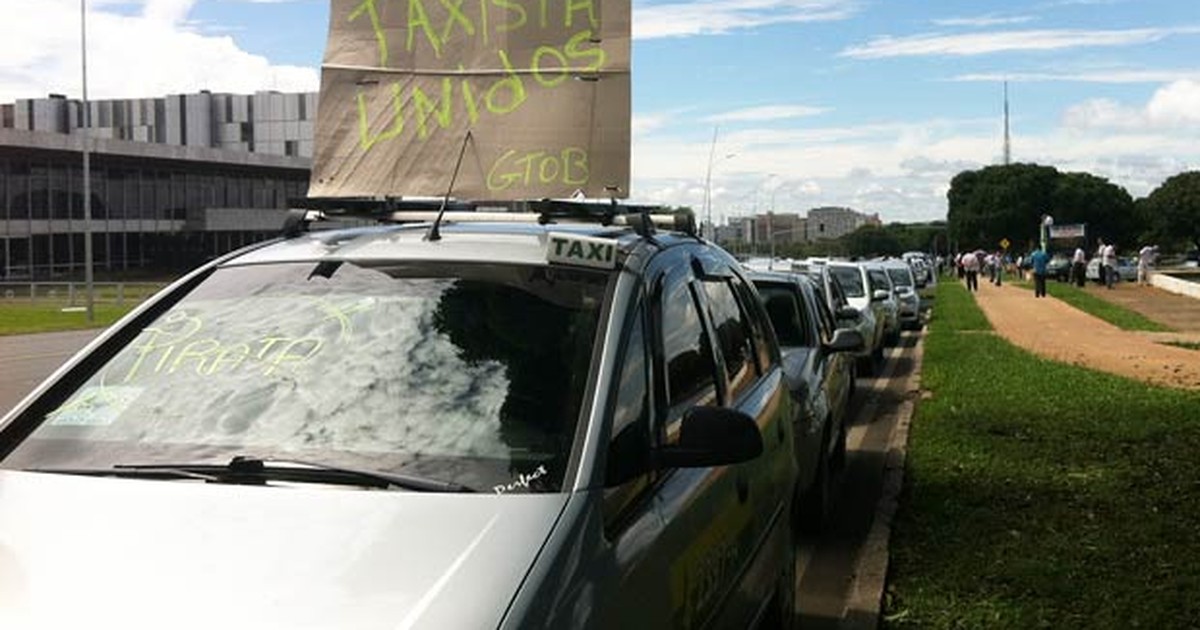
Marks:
<point>708,184</point>
<point>87,171</point>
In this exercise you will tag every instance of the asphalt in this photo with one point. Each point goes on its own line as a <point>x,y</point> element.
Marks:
<point>843,573</point>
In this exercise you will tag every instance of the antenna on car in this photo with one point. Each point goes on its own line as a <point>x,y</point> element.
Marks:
<point>434,234</point>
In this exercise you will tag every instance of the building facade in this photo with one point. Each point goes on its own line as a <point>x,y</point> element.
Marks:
<point>173,180</point>
<point>833,222</point>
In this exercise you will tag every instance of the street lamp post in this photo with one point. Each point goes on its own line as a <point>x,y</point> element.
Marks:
<point>708,218</point>
<point>87,171</point>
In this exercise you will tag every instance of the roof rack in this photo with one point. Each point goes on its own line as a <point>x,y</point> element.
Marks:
<point>642,218</point>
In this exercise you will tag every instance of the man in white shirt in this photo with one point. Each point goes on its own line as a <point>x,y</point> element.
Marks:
<point>1145,259</point>
<point>970,266</point>
<point>1078,266</point>
<point>1108,261</point>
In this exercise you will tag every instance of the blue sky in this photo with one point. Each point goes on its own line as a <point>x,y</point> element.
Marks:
<point>872,104</point>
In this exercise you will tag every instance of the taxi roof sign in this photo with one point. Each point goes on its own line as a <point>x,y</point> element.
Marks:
<point>584,251</point>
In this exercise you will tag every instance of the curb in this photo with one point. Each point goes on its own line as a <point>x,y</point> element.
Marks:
<point>870,572</point>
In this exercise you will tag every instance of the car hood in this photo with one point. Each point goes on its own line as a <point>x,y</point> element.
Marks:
<point>81,552</point>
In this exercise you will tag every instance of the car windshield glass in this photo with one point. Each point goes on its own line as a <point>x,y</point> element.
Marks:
<point>900,277</point>
<point>472,374</point>
<point>851,280</point>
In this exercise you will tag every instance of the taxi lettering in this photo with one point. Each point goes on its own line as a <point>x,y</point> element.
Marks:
<point>582,250</point>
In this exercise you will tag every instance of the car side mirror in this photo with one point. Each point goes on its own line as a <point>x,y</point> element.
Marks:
<point>879,295</point>
<point>712,436</point>
<point>846,340</point>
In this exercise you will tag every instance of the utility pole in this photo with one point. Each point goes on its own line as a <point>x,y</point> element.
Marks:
<point>87,171</point>
<point>1007,139</point>
<point>712,150</point>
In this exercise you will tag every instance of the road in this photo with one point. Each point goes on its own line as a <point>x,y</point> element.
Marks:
<point>27,359</point>
<point>840,575</point>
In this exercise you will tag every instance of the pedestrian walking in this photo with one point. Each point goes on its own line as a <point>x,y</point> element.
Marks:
<point>1108,262</point>
<point>1100,265</point>
<point>970,267</point>
<point>1079,266</point>
<point>1040,259</point>
<point>1146,258</point>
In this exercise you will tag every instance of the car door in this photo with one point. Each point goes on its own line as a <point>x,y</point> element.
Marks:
<point>837,373</point>
<point>689,538</point>
<point>752,385</point>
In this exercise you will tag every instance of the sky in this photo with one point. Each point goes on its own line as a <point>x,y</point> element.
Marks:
<point>870,104</point>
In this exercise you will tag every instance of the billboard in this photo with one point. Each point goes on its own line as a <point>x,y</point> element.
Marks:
<point>1076,230</point>
<point>533,94</point>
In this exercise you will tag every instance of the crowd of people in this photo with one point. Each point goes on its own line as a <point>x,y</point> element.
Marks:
<point>970,264</point>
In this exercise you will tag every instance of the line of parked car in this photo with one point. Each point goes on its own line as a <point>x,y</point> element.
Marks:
<point>570,417</point>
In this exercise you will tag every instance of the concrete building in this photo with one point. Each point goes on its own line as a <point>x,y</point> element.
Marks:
<point>832,222</point>
<point>785,227</point>
<point>174,180</point>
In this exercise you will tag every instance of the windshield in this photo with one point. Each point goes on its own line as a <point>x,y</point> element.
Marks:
<point>851,280</point>
<point>900,277</point>
<point>474,374</point>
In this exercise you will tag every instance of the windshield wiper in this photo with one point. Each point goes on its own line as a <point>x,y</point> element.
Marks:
<point>258,471</point>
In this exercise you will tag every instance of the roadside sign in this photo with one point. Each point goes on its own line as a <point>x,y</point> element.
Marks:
<point>1004,243</point>
<point>1075,230</point>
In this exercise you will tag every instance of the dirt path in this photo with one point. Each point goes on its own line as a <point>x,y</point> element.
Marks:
<point>1056,330</point>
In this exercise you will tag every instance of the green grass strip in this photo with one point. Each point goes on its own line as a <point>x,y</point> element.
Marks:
<point>1042,495</point>
<point>20,318</point>
<point>1114,314</point>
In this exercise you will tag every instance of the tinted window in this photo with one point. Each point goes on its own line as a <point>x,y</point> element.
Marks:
<point>878,280</point>
<point>851,280</point>
<point>629,438</point>
<point>733,336</point>
<point>825,320</point>
<point>900,277</point>
<point>473,374</point>
<point>690,370</point>
<point>786,314</point>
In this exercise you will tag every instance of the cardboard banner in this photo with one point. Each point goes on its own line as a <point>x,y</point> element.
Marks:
<point>537,90</point>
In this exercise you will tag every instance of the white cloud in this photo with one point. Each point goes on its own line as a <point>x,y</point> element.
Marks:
<point>150,53</point>
<point>767,112</point>
<point>1093,76</point>
<point>1004,41</point>
<point>1175,106</point>
<point>714,17</point>
<point>984,20</point>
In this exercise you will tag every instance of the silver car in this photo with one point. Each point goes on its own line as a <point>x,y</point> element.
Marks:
<point>567,424</point>
<point>908,301</point>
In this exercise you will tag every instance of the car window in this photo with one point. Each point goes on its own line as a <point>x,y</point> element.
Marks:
<point>900,277</point>
<point>686,351</point>
<point>468,373</point>
<point>760,333</point>
<point>878,280</point>
<point>837,298</point>
<point>851,280</point>
<point>825,320</point>
<point>733,337</point>
<point>629,437</point>
<point>786,313</point>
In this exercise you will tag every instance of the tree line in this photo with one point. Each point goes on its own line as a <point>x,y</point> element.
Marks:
<point>1007,202</point>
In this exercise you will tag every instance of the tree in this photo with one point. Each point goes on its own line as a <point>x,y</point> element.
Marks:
<point>872,240</point>
<point>1173,209</point>
<point>1009,201</point>
<point>1106,208</point>
<point>999,202</point>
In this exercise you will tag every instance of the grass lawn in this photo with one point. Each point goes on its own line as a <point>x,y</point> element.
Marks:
<point>1118,316</point>
<point>1041,495</point>
<point>18,318</point>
